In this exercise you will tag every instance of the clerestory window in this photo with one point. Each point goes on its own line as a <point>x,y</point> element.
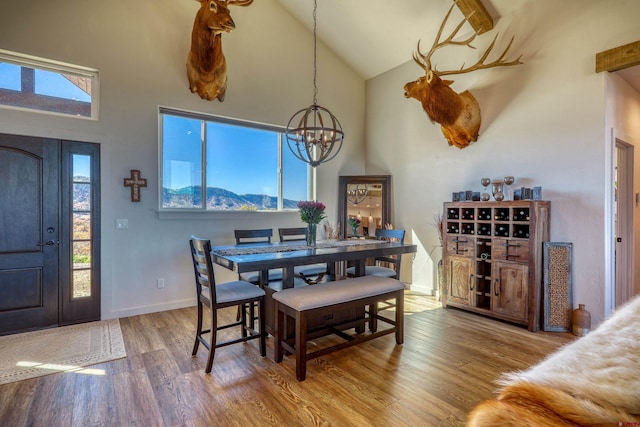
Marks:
<point>43,85</point>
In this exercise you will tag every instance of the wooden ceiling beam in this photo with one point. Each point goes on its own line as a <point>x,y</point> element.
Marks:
<point>618,58</point>
<point>476,13</point>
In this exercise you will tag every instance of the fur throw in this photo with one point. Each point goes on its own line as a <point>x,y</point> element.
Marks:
<point>594,381</point>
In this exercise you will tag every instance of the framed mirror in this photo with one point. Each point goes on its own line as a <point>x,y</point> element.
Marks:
<point>367,198</point>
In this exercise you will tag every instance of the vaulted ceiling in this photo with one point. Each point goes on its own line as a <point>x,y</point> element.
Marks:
<point>374,36</point>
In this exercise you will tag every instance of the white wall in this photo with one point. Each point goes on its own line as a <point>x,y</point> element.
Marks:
<point>140,49</point>
<point>543,122</point>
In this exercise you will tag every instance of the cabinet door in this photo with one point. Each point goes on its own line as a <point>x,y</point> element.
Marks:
<point>460,279</point>
<point>510,293</point>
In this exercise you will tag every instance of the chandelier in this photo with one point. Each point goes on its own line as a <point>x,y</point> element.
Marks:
<point>358,194</point>
<point>313,132</point>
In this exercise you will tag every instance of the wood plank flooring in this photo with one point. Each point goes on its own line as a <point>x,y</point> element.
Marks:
<point>444,368</point>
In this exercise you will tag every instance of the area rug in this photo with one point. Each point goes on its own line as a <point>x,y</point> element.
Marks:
<point>65,349</point>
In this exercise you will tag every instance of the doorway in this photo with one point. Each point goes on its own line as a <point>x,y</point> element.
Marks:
<point>623,221</point>
<point>49,233</point>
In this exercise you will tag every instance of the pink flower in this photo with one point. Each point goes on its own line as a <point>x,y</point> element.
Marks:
<point>311,212</point>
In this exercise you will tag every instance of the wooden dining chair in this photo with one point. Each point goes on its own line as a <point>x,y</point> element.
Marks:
<point>293,234</point>
<point>309,273</point>
<point>261,235</point>
<point>385,266</point>
<point>216,296</point>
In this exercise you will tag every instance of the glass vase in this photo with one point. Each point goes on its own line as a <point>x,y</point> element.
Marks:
<point>311,234</point>
<point>354,231</point>
<point>580,321</point>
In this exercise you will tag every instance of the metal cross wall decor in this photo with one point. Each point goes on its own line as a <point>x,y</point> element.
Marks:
<point>135,182</point>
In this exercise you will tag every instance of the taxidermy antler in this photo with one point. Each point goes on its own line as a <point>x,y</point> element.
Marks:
<point>457,113</point>
<point>206,65</point>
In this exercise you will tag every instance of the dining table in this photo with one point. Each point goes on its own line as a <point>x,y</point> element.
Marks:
<point>288,255</point>
<point>263,257</point>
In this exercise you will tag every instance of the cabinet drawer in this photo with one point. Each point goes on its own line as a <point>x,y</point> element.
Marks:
<point>511,250</point>
<point>460,245</point>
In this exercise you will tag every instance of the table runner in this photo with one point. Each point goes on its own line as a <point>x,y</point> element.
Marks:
<point>293,247</point>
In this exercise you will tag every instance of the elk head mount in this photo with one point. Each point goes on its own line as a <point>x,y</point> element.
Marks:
<point>206,65</point>
<point>457,113</point>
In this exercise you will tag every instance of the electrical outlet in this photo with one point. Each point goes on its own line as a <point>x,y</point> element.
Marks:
<point>160,283</point>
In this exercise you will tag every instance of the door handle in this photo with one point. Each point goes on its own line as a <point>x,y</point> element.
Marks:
<point>47,243</point>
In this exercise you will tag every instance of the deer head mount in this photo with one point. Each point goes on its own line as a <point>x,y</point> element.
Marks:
<point>206,65</point>
<point>457,113</point>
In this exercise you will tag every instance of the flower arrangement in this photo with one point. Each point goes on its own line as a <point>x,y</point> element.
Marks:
<point>311,212</point>
<point>354,222</point>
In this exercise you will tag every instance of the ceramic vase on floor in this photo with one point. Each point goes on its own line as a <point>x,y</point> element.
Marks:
<point>581,321</point>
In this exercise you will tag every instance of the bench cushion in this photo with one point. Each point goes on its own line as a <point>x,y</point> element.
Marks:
<point>326,294</point>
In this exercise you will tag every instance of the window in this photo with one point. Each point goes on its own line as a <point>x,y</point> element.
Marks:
<point>211,163</point>
<point>79,274</point>
<point>81,226</point>
<point>47,86</point>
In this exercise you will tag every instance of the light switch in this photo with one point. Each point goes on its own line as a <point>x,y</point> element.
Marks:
<point>122,223</point>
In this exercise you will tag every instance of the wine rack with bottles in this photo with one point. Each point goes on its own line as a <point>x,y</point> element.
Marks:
<point>493,258</point>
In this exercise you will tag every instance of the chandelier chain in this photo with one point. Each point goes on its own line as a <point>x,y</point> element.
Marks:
<point>315,85</point>
<point>314,135</point>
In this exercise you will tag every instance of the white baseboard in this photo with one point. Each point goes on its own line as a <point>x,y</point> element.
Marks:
<point>421,289</point>
<point>146,309</point>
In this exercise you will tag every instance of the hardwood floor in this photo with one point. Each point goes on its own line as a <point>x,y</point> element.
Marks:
<point>444,368</point>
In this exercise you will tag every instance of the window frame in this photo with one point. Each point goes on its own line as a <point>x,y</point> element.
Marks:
<point>50,65</point>
<point>171,213</point>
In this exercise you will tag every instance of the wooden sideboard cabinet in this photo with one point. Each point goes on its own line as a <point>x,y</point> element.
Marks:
<point>492,258</point>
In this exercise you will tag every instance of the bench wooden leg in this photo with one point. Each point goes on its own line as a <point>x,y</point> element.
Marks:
<point>301,346</point>
<point>373,320</point>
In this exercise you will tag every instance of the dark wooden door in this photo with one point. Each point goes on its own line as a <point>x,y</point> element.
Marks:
<point>29,232</point>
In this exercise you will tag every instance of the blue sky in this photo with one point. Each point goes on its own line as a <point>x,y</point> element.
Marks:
<point>241,160</point>
<point>47,83</point>
<point>81,165</point>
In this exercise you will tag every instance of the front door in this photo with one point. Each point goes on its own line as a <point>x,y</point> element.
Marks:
<point>29,232</point>
<point>49,232</point>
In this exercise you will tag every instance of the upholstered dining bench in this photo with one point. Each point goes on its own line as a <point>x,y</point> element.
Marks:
<point>309,302</point>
